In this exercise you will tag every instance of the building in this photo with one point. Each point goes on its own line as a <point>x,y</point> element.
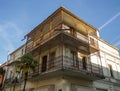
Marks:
<point>110,61</point>
<point>71,57</point>
<point>2,74</point>
<point>11,72</point>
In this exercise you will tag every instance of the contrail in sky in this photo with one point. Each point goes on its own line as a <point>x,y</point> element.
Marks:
<point>109,21</point>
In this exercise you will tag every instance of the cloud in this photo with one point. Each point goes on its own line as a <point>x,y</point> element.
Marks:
<point>9,32</point>
<point>109,21</point>
<point>117,43</point>
<point>116,38</point>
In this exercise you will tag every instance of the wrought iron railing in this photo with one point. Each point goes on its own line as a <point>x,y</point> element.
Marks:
<point>64,62</point>
<point>12,80</point>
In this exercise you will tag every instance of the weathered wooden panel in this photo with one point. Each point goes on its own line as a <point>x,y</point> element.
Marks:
<point>77,24</point>
<point>56,20</point>
<point>46,27</point>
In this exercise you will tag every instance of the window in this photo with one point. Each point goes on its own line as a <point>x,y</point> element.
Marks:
<point>74,57</point>
<point>110,69</point>
<point>13,56</point>
<point>11,74</point>
<point>44,64</point>
<point>84,63</point>
<point>92,41</point>
<point>22,52</point>
<point>52,59</point>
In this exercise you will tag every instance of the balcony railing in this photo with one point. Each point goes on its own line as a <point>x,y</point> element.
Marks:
<point>66,63</point>
<point>11,81</point>
<point>52,34</point>
<point>93,42</point>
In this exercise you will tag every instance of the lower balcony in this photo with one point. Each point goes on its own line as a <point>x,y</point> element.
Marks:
<point>66,67</point>
<point>11,81</point>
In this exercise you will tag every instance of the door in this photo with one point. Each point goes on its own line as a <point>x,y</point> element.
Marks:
<point>52,59</point>
<point>74,58</point>
<point>84,63</point>
<point>44,64</point>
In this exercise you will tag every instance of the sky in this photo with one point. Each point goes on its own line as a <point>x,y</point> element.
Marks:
<point>19,17</point>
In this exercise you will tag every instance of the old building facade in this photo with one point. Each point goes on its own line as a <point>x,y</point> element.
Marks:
<point>71,57</point>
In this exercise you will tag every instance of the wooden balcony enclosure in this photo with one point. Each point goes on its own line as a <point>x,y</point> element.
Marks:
<point>64,36</point>
<point>74,29</point>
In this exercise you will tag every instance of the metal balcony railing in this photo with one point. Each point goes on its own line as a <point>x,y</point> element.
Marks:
<point>12,80</point>
<point>66,63</point>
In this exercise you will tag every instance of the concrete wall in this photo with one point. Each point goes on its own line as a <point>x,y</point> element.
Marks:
<point>109,56</point>
<point>17,53</point>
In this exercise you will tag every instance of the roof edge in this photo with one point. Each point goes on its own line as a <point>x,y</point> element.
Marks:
<point>56,11</point>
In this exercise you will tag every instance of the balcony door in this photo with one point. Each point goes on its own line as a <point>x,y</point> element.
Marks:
<point>44,64</point>
<point>52,59</point>
<point>74,58</point>
<point>84,63</point>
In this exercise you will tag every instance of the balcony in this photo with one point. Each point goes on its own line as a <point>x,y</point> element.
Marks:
<point>93,43</point>
<point>65,66</point>
<point>58,36</point>
<point>12,81</point>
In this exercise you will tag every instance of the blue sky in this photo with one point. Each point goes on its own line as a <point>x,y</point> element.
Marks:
<point>18,17</point>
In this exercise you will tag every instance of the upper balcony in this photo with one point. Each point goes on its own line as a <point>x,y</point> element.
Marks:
<point>65,66</point>
<point>93,44</point>
<point>75,30</point>
<point>86,44</point>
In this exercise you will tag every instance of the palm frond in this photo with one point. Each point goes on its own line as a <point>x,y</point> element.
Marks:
<point>28,62</point>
